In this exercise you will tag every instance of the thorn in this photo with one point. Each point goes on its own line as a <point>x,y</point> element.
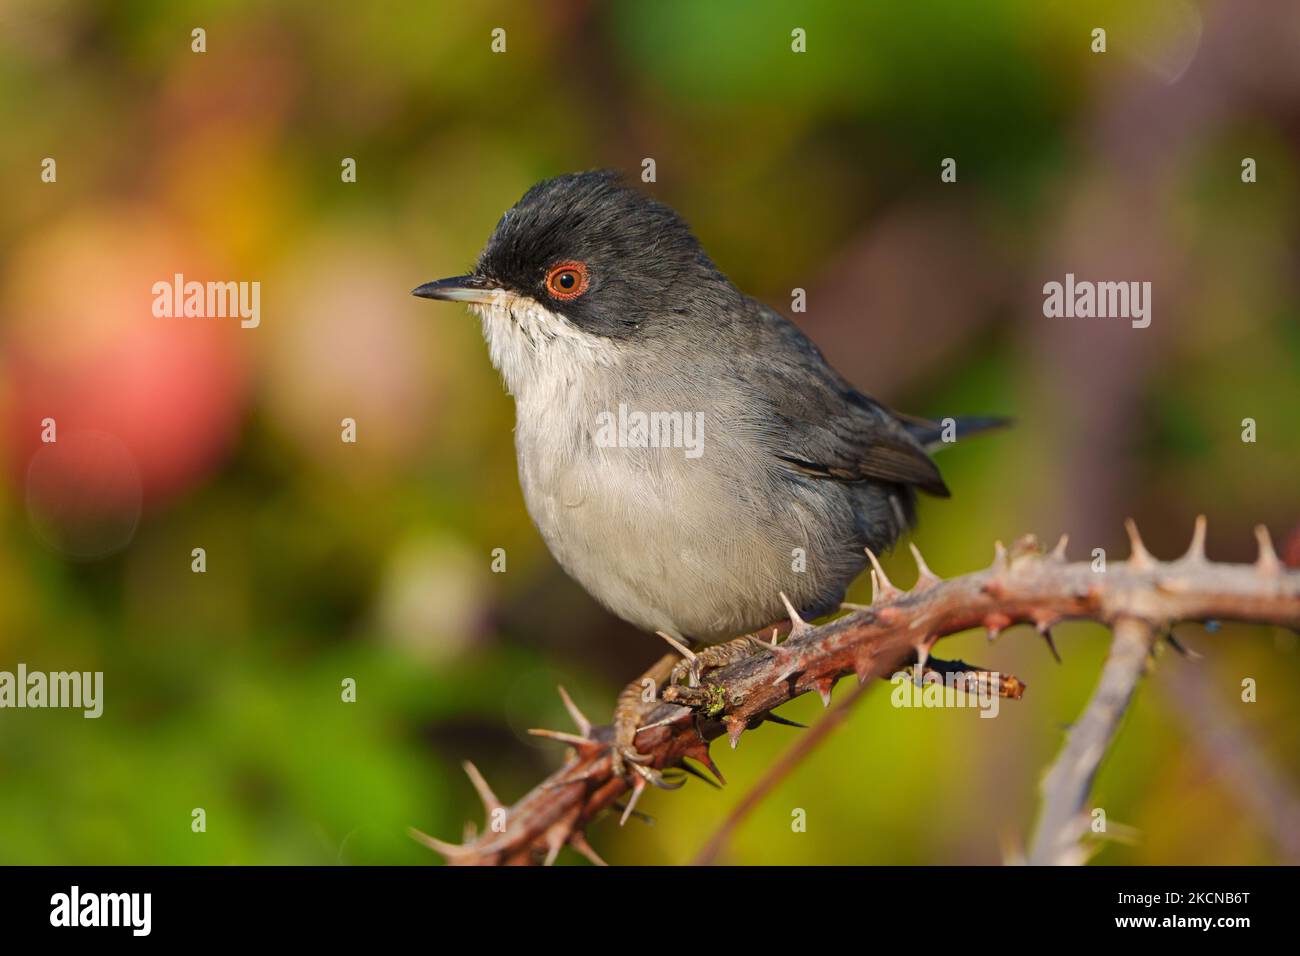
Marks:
<point>925,578</point>
<point>670,719</point>
<point>797,624</point>
<point>1045,629</point>
<point>678,646</point>
<point>888,616</point>
<point>735,727</point>
<point>881,586</point>
<point>996,624</point>
<point>1058,552</point>
<point>707,760</point>
<point>1139,558</point>
<point>579,718</point>
<point>785,721</point>
<point>700,754</point>
<point>638,788</point>
<point>578,840</point>
<point>452,851</point>
<point>1024,546</point>
<point>1267,563</point>
<point>1196,550</point>
<point>562,736</point>
<point>643,817</point>
<point>1000,561</point>
<point>790,662</point>
<point>490,801</point>
<point>700,775</point>
<point>922,655</point>
<point>846,606</point>
<point>558,833</point>
<point>1182,649</point>
<point>862,667</point>
<point>824,688</point>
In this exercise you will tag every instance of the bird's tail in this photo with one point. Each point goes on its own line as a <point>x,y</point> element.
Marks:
<point>935,435</point>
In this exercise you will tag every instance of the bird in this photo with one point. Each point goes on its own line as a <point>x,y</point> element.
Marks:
<point>687,453</point>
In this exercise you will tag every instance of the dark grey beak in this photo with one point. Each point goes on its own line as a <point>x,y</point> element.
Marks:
<point>471,288</point>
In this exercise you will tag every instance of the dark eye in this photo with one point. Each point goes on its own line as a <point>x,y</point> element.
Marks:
<point>567,280</point>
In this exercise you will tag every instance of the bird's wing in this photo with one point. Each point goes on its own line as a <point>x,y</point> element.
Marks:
<point>824,427</point>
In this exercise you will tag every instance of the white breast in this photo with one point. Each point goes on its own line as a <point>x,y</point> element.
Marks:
<point>665,542</point>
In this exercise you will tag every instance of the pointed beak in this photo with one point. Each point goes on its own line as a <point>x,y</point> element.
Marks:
<point>471,288</point>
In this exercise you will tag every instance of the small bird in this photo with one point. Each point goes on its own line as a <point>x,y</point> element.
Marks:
<point>686,452</point>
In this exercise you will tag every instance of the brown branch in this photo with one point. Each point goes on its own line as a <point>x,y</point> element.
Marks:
<point>975,680</point>
<point>1062,822</point>
<point>898,629</point>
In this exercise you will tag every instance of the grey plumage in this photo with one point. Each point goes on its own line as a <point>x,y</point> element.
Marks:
<point>798,471</point>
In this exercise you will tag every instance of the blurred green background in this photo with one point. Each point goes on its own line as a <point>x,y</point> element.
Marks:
<point>372,561</point>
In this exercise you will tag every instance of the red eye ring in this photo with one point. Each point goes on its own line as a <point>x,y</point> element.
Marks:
<point>567,280</point>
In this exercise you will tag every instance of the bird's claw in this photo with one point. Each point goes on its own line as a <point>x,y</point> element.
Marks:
<point>659,778</point>
<point>624,758</point>
<point>692,666</point>
<point>630,764</point>
<point>687,671</point>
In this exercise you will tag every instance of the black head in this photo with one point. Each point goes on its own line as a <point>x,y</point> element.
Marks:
<point>608,258</point>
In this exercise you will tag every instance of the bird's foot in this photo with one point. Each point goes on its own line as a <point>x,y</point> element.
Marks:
<point>635,702</point>
<point>692,666</point>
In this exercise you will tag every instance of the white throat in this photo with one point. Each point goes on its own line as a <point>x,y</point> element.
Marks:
<point>541,355</point>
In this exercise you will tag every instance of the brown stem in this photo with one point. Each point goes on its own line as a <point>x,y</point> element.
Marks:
<point>1023,586</point>
<point>1062,821</point>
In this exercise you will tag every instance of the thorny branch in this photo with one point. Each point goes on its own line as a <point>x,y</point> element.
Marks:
<point>1023,586</point>
<point>1061,822</point>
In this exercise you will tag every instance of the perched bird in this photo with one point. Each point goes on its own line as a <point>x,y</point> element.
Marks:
<point>686,452</point>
